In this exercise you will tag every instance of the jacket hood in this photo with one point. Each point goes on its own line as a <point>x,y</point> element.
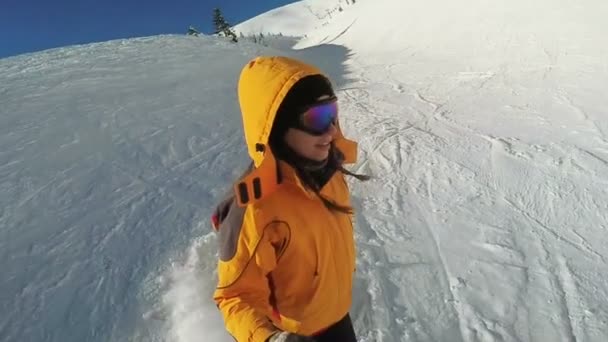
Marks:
<point>263,85</point>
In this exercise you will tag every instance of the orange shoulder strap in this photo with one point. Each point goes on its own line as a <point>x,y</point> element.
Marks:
<point>260,182</point>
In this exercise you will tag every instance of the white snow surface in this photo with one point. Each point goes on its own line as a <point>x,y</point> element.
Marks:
<point>485,126</point>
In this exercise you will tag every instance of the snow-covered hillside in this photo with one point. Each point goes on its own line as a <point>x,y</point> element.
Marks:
<point>112,157</point>
<point>297,19</point>
<point>484,125</point>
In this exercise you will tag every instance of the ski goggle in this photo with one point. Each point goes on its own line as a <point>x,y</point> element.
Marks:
<point>318,118</point>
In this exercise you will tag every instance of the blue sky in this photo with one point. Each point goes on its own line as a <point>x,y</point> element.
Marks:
<point>33,25</point>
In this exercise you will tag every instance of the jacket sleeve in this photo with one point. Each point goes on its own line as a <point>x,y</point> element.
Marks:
<point>246,257</point>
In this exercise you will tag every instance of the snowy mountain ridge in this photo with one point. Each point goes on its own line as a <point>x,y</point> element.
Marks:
<point>296,19</point>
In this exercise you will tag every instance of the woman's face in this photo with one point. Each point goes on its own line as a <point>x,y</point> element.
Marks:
<point>311,146</point>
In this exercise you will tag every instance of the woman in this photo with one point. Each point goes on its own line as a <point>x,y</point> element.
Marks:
<point>287,254</point>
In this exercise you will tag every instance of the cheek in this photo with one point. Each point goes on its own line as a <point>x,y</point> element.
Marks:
<point>300,141</point>
<point>307,141</point>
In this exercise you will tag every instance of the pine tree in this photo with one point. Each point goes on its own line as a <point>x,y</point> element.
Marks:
<point>221,26</point>
<point>218,21</point>
<point>231,34</point>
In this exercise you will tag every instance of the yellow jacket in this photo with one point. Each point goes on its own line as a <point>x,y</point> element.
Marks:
<point>286,261</point>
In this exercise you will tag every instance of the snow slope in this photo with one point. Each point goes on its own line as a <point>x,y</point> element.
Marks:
<point>112,156</point>
<point>296,19</point>
<point>484,125</point>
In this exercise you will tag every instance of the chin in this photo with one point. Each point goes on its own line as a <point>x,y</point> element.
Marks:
<point>320,157</point>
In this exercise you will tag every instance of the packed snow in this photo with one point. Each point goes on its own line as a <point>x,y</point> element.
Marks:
<point>484,126</point>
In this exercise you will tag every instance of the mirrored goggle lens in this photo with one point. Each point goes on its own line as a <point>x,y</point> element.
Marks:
<point>318,119</point>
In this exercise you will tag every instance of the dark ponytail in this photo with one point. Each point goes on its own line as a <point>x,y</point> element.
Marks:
<point>334,164</point>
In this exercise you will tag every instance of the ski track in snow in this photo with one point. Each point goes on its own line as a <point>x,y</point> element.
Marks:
<point>106,178</point>
<point>532,252</point>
